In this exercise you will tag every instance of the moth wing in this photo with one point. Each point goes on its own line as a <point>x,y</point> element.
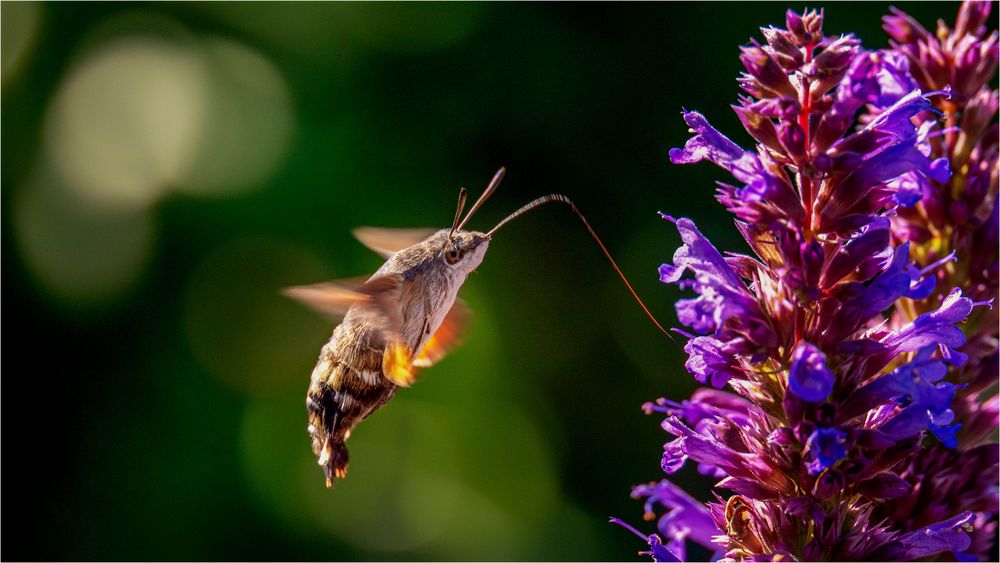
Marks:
<point>330,298</point>
<point>387,242</point>
<point>447,336</point>
<point>384,293</point>
<point>397,358</point>
<point>335,298</point>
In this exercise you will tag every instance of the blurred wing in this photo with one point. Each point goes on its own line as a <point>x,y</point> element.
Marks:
<point>337,297</point>
<point>446,337</point>
<point>329,298</point>
<point>387,242</point>
<point>382,294</point>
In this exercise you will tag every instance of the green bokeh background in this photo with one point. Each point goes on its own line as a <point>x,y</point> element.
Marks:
<point>153,379</point>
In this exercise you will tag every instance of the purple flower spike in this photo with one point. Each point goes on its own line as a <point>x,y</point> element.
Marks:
<point>809,377</point>
<point>857,344</point>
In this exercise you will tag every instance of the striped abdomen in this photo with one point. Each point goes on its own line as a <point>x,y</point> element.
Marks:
<point>346,386</point>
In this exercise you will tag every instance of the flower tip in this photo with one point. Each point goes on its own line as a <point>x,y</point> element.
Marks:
<point>663,215</point>
<point>678,155</point>
<point>695,120</point>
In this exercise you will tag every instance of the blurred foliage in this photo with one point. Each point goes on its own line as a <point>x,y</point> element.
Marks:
<point>168,167</point>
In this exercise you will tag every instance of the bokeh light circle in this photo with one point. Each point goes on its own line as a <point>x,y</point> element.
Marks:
<point>247,126</point>
<point>83,255</point>
<point>125,123</point>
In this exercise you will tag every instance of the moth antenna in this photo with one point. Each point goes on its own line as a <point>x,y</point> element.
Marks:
<point>492,187</point>
<point>462,193</point>
<point>563,199</point>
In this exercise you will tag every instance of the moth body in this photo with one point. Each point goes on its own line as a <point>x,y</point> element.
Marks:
<point>403,317</point>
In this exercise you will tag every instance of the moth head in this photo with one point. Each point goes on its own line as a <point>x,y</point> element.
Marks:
<point>463,250</point>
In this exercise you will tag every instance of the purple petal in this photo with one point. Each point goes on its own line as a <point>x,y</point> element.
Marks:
<point>809,377</point>
<point>707,144</point>
<point>936,327</point>
<point>685,518</point>
<point>870,241</point>
<point>826,446</point>
<point>895,120</point>
<point>949,535</point>
<point>708,363</point>
<point>914,386</point>
<point>673,456</point>
<point>894,79</point>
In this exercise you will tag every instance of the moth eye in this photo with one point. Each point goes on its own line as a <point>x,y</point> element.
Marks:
<point>452,256</point>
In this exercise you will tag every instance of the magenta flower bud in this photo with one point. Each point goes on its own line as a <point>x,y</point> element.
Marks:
<point>765,74</point>
<point>830,65</point>
<point>759,126</point>
<point>806,29</point>
<point>793,140</point>
<point>788,55</point>
<point>971,18</point>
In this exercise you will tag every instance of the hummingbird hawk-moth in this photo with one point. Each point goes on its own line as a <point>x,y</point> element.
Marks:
<point>403,318</point>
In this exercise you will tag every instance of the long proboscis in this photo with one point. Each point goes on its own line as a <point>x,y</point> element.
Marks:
<point>563,199</point>
<point>492,187</point>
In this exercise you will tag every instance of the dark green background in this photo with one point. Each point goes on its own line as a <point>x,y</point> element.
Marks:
<point>165,419</point>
